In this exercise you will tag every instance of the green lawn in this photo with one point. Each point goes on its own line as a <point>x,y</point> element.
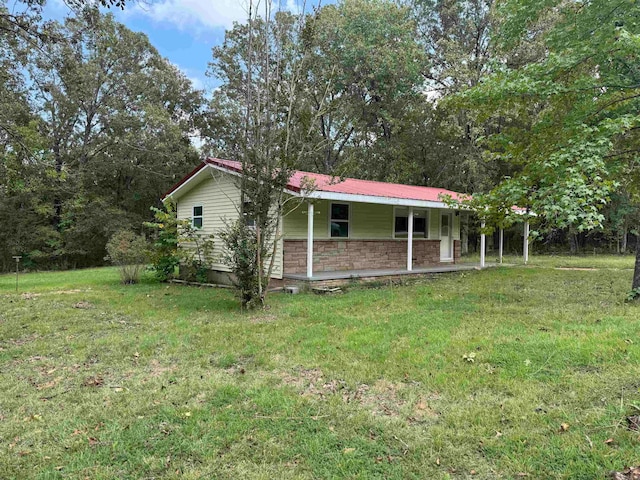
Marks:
<point>100,380</point>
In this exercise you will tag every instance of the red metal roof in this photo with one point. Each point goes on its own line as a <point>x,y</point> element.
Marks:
<point>349,186</point>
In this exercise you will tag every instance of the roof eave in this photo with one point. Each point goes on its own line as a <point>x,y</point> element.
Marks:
<point>401,202</point>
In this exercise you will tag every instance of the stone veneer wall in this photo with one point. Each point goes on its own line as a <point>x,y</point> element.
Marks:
<point>457,251</point>
<point>338,255</point>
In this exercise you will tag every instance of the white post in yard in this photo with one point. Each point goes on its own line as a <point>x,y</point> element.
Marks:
<point>525,247</point>
<point>483,243</point>
<point>310,240</point>
<point>501,244</point>
<point>410,240</point>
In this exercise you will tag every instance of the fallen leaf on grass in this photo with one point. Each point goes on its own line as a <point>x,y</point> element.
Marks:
<point>92,441</point>
<point>631,473</point>
<point>349,450</point>
<point>609,441</point>
<point>564,427</point>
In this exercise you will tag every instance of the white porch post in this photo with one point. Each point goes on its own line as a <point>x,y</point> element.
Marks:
<point>501,244</point>
<point>483,242</point>
<point>310,240</point>
<point>410,240</point>
<point>525,247</point>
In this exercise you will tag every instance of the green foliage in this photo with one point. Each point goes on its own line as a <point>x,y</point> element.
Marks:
<point>129,252</point>
<point>241,256</point>
<point>633,295</point>
<point>178,243</point>
<point>165,254</point>
<point>94,125</point>
<point>582,105</point>
<point>580,102</point>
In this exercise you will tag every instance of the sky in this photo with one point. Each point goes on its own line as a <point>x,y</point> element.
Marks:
<point>183,31</point>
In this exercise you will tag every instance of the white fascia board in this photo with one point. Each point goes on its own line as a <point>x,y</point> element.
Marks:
<point>401,202</point>
<point>177,193</point>
<point>182,188</point>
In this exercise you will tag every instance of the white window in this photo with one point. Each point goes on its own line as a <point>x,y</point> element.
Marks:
<point>401,223</point>
<point>197,217</point>
<point>339,220</point>
<point>249,221</point>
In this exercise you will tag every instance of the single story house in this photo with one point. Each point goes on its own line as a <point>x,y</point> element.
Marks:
<point>341,229</point>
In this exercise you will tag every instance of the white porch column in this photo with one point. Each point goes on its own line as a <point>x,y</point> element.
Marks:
<point>525,247</point>
<point>410,240</point>
<point>483,243</point>
<point>310,240</point>
<point>501,244</point>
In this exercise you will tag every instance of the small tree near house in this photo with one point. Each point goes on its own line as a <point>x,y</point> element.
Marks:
<point>271,147</point>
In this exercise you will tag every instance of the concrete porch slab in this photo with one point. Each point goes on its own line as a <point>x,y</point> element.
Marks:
<point>349,274</point>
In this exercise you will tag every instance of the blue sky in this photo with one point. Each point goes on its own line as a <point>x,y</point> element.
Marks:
<point>182,30</point>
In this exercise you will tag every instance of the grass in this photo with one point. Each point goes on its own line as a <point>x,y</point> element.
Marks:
<point>100,380</point>
<point>616,262</point>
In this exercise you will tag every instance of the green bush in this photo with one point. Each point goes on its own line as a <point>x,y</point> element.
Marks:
<point>129,252</point>
<point>177,243</point>
<point>241,247</point>
<point>164,255</point>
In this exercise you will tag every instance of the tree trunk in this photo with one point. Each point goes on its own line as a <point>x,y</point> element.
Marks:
<point>636,273</point>
<point>623,248</point>
<point>573,243</point>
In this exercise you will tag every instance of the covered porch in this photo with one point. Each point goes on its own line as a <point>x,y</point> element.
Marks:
<point>388,255</point>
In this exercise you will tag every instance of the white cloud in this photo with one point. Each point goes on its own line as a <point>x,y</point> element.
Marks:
<point>206,14</point>
<point>200,14</point>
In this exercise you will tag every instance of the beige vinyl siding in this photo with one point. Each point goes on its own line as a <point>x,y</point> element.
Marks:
<point>456,227</point>
<point>371,221</point>
<point>295,221</point>
<point>219,197</point>
<point>367,221</point>
<point>434,224</point>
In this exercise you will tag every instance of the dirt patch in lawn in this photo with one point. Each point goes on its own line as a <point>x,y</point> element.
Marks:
<point>263,319</point>
<point>83,305</point>
<point>29,296</point>
<point>580,269</point>
<point>381,398</point>
<point>18,342</point>
<point>156,369</point>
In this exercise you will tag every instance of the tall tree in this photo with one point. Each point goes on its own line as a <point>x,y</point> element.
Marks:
<point>360,79</point>
<point>114,118</point>
<point>265,82</point>
<point>366,51</point>
<point>581,100</point>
